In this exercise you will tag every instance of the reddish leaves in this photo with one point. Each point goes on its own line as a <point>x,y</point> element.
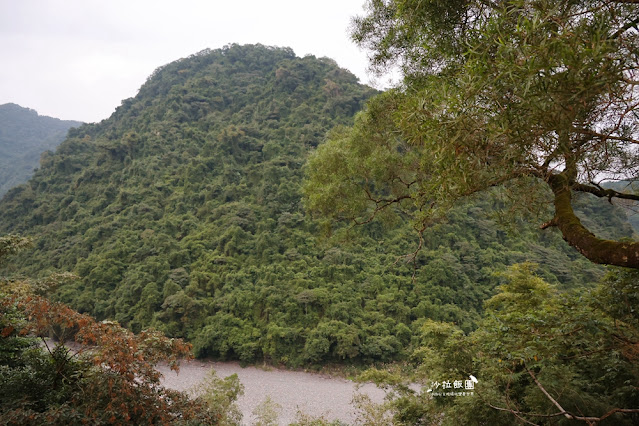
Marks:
<point>120,384</point>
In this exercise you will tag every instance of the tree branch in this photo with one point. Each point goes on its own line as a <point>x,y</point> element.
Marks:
<point>628,25</point>
<point>380,204</point>
<point>555,403</point>
<point>517,413</point>
<point>573,417</point>
<point>412,257</point>
<point>618,410</point>
<point>604,193</point>
<point>604,137</point>
<point>596,250</point>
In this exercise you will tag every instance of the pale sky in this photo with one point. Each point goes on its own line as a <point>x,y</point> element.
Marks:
<point>78,59</point>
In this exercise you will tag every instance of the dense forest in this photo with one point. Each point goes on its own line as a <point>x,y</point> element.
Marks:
<point>536,100</point>
<point>184,212</point>
<point>461,231</point>
<point>24,136</point>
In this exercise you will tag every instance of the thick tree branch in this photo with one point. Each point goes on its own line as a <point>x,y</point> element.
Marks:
<point>604,193</point>
<point>628,25</point>
<point>604,137</point>
<point>596,250</point>
<point>551,222</point>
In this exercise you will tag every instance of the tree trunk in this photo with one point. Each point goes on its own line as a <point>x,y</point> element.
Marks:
<point>595,249</point>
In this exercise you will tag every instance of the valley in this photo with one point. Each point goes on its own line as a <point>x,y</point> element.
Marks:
<point>250,207</point>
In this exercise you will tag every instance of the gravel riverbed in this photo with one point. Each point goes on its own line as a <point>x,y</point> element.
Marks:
<point>310,393</point>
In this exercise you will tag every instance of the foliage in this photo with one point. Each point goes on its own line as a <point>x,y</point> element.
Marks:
<point>538,97</point>
<point>12,244</point>
<point>24,137</point>
<point>108,375</point>
<point>267,412</point>
<point>220,396</point>
<point>303,419</point>
<point>184,212</point>
<point>371,414</point>
<point>540,356</point>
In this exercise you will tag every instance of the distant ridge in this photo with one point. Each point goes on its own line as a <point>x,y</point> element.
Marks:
<point>24,136</point>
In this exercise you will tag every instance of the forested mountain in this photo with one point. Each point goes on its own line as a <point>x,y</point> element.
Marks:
<point>24,135</point>
<point>184,211</point>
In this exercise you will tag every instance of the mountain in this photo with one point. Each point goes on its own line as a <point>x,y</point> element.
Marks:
<point>24,135</point>
<point>183,211</point>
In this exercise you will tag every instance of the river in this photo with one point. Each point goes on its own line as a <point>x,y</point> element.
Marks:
<point>311,393</point>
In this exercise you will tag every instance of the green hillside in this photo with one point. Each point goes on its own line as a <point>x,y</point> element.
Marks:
<point>183,211</point>
<point>24,135</point>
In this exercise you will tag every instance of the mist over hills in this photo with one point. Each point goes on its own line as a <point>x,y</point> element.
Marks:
<point>183,211</point>
<point>24,135</point>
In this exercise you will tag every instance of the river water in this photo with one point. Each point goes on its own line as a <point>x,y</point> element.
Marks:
<point>310,393</point>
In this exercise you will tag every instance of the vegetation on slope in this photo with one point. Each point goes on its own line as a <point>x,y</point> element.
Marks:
<point>108,378</point>
<point>184,211</point>
<point>539,356</point>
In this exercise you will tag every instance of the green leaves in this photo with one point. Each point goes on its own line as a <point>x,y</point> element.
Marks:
<point>185,212</point>
<point>12,244</point>
<point>109,376</point>
<point>495,94</point>
<point>532,344</point>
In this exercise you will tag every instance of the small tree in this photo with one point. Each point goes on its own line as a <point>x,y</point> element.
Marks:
<point>539,356</point>
<point>108,378</point>
<point>267,412</point>
<point>220,396</point>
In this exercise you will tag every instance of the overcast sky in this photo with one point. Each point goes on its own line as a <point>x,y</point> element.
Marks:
<point>78,59</point>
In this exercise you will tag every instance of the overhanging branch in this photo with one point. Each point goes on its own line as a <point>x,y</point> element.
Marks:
<point>554,402</point>
<point>604,137</point>
<point>562,411</point>
<point>596,250</point>
<point>604,193</point>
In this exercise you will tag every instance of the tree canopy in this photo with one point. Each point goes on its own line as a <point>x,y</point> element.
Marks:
<point>184,211</point>
<point>541,356</point>
<point>539,97</point>
<point>110,375</point>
